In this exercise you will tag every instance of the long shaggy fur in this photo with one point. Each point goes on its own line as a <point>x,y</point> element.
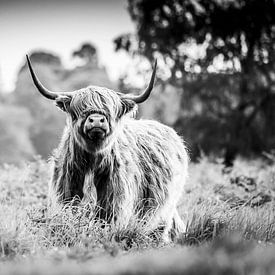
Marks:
<point>138,171</point>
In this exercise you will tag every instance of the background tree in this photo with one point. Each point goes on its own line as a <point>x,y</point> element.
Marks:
<point>88,72</point>
<point>43,122</point>
<point>200,40</point>
<point>15,142</point>
<point>47,120</point>
<point>88,53</point>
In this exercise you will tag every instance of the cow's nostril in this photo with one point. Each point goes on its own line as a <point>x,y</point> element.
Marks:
<point>91,120</point>
<point>102,120</point>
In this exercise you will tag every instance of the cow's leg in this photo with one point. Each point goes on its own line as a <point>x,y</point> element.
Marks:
<point>166,214</point>
<point>66,184</point>
<point>125,212</point>
<point>169,212</point>
<point>160,218</point>
<point>89,191</point>
<point>167,218</point>
<point>178,224</point>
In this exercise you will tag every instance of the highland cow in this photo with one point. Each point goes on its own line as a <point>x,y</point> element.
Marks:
<point>137,168</point>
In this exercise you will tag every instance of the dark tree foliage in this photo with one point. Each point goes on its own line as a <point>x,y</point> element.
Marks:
<point>240,33</point>
<point>242,29</point>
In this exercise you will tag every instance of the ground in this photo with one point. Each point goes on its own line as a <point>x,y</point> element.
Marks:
<point>230,227</point>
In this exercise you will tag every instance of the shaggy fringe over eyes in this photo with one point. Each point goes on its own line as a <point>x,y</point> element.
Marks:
<point>96,99</point>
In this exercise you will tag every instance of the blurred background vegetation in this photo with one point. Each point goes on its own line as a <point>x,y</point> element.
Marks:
<point>216,79</point>
<point>31,125</point>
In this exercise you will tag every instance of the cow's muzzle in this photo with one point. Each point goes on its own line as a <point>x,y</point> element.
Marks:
<point>96,127</point>
<point>96,133</point>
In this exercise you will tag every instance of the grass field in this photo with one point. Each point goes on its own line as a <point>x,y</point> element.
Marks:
<point>230,218</point>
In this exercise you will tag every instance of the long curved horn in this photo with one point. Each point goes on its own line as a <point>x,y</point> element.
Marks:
<point>44,91</point>
<point>141,98</point>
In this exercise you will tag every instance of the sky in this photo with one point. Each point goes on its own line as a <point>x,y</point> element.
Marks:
<point>61,26</point>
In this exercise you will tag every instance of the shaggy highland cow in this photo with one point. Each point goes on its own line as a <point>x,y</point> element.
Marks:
<point>137,167</point>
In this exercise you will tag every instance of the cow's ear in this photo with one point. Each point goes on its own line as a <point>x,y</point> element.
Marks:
<point>63,102</point>
<point>128,105</point>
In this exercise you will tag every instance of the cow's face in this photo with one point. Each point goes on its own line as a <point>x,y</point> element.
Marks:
<point>94,114</point>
